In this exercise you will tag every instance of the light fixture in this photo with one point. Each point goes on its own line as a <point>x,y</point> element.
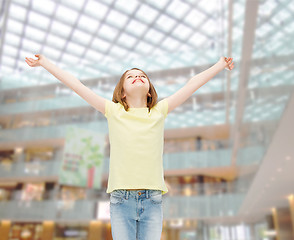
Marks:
<point>270,233</point>
<point>18,150</point>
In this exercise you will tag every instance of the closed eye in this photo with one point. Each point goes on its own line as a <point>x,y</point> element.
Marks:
<point>130,76</point>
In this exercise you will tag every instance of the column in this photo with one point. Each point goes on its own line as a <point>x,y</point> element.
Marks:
<point>48,230</point>
<point>283,223</point>
<point>108,232</point>
<point>291,203</point>
<point>173,234</point>
<point>4,229</point>
<point>95,230</point>
<point>164,230</point>
<point>270,224</point>
<point>276,223</point>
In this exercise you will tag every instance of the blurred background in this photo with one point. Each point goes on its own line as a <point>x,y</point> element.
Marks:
<point>228,154</point>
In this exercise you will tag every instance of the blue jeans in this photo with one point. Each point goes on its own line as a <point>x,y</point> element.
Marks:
<point>136,214</point>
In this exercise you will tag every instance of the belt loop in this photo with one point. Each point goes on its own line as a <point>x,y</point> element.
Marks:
<point>147,193</point>
<point>127,194</point>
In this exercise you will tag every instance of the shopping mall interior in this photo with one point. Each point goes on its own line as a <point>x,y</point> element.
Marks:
<point>228,155</point>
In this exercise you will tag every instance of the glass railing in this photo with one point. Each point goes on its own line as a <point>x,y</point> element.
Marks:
<point>197,159</point>
<point>186,119</point>
<point>250,155</point>
<point>197,189</point>
<point>48,132</point>
<point>30,169</point>
<point>173,207</point>
<point>47,210</point>
<point>64,102</point>
<point>202,206</point>
<point>171,161</point>
<point>200,159</point>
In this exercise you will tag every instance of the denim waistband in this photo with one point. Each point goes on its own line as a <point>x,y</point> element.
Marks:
<point>133,193</point>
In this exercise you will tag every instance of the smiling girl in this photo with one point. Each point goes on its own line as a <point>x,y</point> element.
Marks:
<point>136,134</point>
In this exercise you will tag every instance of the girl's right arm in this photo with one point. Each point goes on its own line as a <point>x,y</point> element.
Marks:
<point>69,80</point>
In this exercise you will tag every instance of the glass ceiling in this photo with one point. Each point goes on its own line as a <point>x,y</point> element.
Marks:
<point>95,39</point>
<point>101,38</point>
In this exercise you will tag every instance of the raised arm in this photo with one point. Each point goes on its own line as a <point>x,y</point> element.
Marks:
<point>69,80</point>
<point>197,81</point>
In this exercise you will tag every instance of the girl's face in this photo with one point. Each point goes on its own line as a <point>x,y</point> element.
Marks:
<point>136,82</point>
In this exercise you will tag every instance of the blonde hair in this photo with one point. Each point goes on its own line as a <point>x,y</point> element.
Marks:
<point>118,92</point>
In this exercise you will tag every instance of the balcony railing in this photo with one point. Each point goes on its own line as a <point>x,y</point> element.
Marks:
<point>30,169</point>
<point>199,159</point>
<point>202,206</point>
<point>183,160</point>
<point>173,207</point>
<point>47,132</point>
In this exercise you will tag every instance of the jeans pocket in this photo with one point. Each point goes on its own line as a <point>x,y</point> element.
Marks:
<point>156,199</point>
<point>116,200</point>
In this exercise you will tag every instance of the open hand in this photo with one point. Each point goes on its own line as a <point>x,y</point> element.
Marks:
<point>35,62</point>
<point>227,63</point>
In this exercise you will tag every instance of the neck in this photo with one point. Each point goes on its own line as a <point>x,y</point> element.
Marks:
<point>137,102</point>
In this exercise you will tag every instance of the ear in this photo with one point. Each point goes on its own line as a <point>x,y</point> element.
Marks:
<point>123,94</point>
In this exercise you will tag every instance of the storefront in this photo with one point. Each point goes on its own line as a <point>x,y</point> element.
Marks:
<point>25,231</point>
<point>67,231</point>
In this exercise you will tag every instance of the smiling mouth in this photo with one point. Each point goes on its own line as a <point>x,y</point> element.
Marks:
<point>137,79</point>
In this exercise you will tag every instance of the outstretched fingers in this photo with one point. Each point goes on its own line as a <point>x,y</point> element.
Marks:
<point>230,63</point>
<point>30,61</point>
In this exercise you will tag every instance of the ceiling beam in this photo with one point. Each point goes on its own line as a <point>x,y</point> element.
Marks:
<point>229,54</point>
<point>3,20</point>
<point>245,64</point>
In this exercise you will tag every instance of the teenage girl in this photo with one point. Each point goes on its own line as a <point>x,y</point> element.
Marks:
<point>136,126</point>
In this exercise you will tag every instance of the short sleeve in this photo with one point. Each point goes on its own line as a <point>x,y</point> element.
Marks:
<point>108,108</point>
<point>162,106</point>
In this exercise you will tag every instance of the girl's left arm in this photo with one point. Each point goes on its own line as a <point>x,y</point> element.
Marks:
<point>197,81</point>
